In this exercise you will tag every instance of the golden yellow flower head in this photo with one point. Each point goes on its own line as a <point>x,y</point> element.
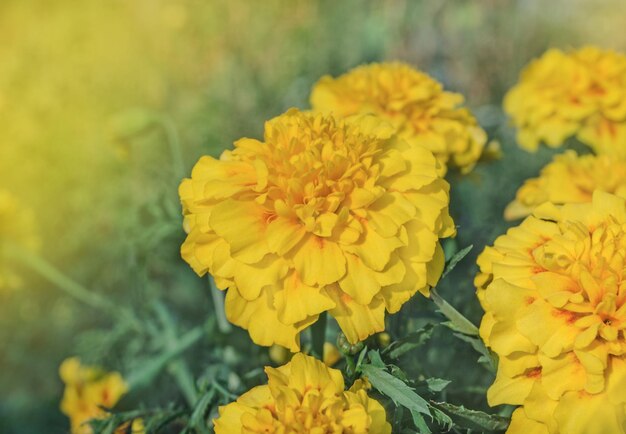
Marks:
<point>569,178</point>
<point>416,104</point>
<point>562,94</point>
<point>17,228</point>
<point>303,396</point>
<point>325,215</point>
<point>87,391</point>
<point>554,294</point>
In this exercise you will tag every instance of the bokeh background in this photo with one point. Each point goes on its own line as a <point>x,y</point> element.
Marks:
<point>106,105</point>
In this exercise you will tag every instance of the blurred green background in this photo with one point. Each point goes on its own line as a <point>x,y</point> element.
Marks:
<point>106,105</point>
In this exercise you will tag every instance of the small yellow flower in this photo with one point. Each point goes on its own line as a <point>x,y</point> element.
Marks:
<point>563,94</point>
<point>87,391</point>
<point>331,354</point>
<point>17,228</point>
<point>416,104</point>
<point>554,294</point>
<point>569,178</point>
<point>303,396</point>
<point>325,215</point>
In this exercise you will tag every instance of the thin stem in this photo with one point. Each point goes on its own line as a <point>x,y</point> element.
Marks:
<point>218,304</point>
<point>457,320</point>
<point>149,371</point>
<point>177,367</point>
<point>318,335</point>
<point>173,143</point>
<point>182,374</point>
<point>69,286</point>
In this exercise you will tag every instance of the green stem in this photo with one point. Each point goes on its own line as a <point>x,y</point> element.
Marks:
<point>218,305</point>
<point>173,142</point>
<point>69,286</point>
<point>177,367</point>
<point>149,371</point>
<point>457,320</point>
<point>318,335</point>
<point>182,374</point>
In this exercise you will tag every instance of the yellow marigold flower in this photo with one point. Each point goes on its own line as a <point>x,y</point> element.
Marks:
<point>569,178</point>
<point>325,215</point>
<point>562,94</point>
<point>87,390</point>
<point>17,228</point>
<point>415,103</point>
<point>303,396</point>
<point>554,294</point>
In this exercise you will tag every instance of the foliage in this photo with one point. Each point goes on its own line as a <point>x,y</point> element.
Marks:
<point>106,106</point>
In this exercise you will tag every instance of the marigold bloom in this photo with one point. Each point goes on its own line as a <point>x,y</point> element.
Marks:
<point>87,391</point>
<point>415,103</point>
<point>325,215</point>
<point>17,228</point>
<point>554,294</point>
<point>569,178</point>
<point>303,396</point>
<point>562,94</point>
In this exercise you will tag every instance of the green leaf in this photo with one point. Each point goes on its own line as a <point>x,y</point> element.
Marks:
<point>198,417</point>
<point>375,359</point>
<point>442,419</point>
<point>437,384</point>
<point>420,423</point>
<point>394,388</point>
<point>473,419</point>
<point>359,361</point>
<point>457,321</point>
<point>458,256</point>
<point>487,358</point>
<point>410,342</point>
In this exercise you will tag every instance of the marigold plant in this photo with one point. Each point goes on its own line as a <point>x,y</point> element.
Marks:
<point>325,215</point>
<point>17,229</point>
<point>554,296</point>
<point>569,178</point>
<point>303,396</point>
<point>574,93</point>
<point>88,392</point>
<point>415,103</point>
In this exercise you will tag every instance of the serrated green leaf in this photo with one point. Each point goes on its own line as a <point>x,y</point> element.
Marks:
<point>375,359</point>
<point>487,358</point>
<point>394,388</point>
<point>457,321</point>
<point>442,419</point>
<point>359,361</point>
<point>420,423</point>
<point>437,384</point>
<point>198,417</point>
<point>410,342</point>
<point>458,256</point>
<point>398,373</point>
<point>473,419</point>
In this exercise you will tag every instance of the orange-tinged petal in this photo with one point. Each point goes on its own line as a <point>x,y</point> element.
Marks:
<point>297,301</point>
<point>357,321</point>
<point>319,261</point>
<point>241,224</point>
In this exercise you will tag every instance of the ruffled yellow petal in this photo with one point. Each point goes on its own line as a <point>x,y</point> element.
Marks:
<point>574,93</point>
<point>303,396</point>
<point>357,321</point>
<point>321,205</point>
<point>555,303</point>
<point>422,113</point>
<point>521,424</point>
